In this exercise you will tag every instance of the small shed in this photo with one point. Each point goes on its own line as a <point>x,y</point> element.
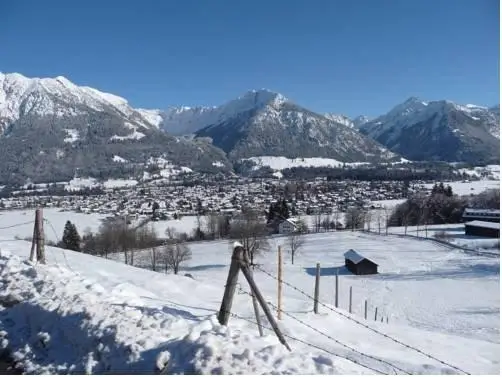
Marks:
<point>482,229</point>
<point>359,265</point>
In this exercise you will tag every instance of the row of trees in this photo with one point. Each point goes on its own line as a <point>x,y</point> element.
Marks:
<point>441,206</point>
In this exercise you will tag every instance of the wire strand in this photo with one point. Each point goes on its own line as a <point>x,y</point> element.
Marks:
<point>310,344</point>
<point>366,326</point>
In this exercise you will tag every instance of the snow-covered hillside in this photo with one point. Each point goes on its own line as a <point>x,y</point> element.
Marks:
<point>20,95</point>
<point>280,162</point>
<point>438,130</point>
<point>86,314</point>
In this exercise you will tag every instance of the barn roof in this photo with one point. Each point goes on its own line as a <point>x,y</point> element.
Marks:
<point>484,224</point>
<point>353,256</point>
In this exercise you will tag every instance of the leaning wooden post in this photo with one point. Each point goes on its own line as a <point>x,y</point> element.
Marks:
<point>316,290</point>
<point>350,300</point>
<point>253,298</point>
<point>34,240</point>
<point>40,237</point>
<point>279,283</point>
<point>365,309</point>
<point>228,295</point>
<point>376,313</point>
<point>336,289</point>
<point>263,303</point>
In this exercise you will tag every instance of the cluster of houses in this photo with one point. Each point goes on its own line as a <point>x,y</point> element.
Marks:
<point>172,199</point>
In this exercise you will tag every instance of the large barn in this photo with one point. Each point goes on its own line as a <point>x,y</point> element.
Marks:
<point>482,229</point>
<point>359,265</point>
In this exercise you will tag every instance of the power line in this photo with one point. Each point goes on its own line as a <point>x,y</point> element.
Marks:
<point>366,326</point>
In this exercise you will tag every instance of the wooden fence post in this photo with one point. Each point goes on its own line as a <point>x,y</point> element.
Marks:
<point>228,295</point>
<point>263,303</point>
<point>376,313</point>
<point>279,283</point>
<point>40,237</point>
<point>34,239</point>
<point>366,309</point>
<point>336,289</point>
<point>387,319</point>
<point>316,290</point>
<point>350,300</point>
<point>253,299</point>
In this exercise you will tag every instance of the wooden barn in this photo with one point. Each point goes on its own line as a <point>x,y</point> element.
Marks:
<point>359,265</point>
<point>482,229</point>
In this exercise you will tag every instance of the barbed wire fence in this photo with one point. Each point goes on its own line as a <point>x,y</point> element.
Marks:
<point>354,320</point>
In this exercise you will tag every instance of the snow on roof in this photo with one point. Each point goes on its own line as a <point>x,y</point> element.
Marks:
<point>482,211</point>
<point>484,224</point>
<point>353,256</point>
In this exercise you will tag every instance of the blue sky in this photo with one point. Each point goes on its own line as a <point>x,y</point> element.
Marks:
<point>345,56</point>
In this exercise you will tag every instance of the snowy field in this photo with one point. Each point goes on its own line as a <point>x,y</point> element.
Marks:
<point>473,187</point>
<point>456,235</point>
<point>55,216</point>
<point>81,313</point>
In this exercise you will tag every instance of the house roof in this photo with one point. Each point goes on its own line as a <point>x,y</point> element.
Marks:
<point>478,211</point>
<point>353,256</point>
<point>484,224</point>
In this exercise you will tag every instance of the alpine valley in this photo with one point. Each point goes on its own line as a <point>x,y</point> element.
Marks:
<point>50,129</point>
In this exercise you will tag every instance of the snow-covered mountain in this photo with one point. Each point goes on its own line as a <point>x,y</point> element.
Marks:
<point>49,127</point>
<point>438,130</point>
<point>21,96</point>
<point>346,121</point>
<point>339,118</point>
<point>265,123</point>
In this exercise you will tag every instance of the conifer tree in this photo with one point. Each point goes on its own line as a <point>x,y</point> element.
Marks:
<point>71,238</point>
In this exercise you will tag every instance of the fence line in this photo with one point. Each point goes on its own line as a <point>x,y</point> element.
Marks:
<point>311,345</point>
<point>366,326</point>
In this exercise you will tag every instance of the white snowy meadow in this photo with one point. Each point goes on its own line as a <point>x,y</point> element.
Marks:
<point>86,314</point>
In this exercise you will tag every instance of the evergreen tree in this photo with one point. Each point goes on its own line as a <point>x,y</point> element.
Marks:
<point>71,238</point>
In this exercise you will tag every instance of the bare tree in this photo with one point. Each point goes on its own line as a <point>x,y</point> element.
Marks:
<point>295,242</point>
<point>354,218</point>
<point>368,217</point>
<point>176,255</point>
<point>175,251</point>
<point>154,258</point>
<point>326,222</point>
<point>336,216</point>
<point>250,230</point>
<point>317,222</point>
<point>212,225</point>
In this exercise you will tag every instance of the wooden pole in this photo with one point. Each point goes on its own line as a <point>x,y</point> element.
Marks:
<point>350,300</point>
<point>376,313</point>
<point>261,300</point>
<point>228,295</point>
<point>365,309</point>
<point>316,290</point>
<point>253,298</point>
<point>34,240</point>
<point>336,289</point>
<point>279,283</point>
<point>40,237</point>
<point>387,319</point>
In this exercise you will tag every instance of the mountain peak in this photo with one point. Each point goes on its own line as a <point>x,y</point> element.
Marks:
<point>262,97</point>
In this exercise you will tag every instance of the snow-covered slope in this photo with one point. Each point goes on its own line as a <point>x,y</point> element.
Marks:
<point>265,123</point>
<point>339,118</point>
<point>20,95</point>
<point>70,127</point>
<point>438,130</point>
<point>84,314</point>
